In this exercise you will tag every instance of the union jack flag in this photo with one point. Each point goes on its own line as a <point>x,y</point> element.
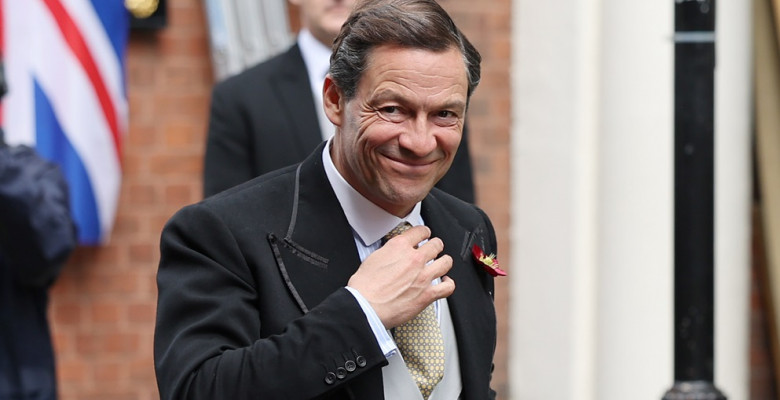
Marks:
<point>64,64</point>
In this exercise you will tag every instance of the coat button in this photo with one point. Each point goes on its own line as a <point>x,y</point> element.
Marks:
<point>341,373</point>
<point>361,361</point>
<point>350,365</point>
<point>330,378</point>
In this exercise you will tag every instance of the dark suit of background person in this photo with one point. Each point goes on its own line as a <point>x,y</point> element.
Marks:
<point>267,289</point>
<point>37,235</point>
<point>264,118</point>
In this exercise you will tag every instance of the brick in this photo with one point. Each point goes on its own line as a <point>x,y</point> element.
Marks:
<point>142,253</point>
<point>109,372</point>
<point>140,194</point>
<point>141,134</point>
<point>180,135</point>
<point>125,225</point>
<point>88,344</point>
<point>176,164</point>
<point>142,369</point>
<point>142,313</point>
<point>72,371</point>
<point>61,342</point>
<point>121,343</point>
<point>133,163</point>
<point>178,195</point>
<point>67,313</point>
<point>105,312</point>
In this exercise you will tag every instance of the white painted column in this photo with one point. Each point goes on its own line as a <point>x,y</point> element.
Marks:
<point>554,160</point>
<point>733,196</point>
<point>636,201</point>
<point>592,199</point>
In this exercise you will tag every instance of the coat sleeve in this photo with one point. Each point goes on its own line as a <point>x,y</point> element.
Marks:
<point>37,233</point>
<point>208,342</point>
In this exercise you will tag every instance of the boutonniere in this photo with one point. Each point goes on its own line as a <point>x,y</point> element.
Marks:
<point>489,262</point>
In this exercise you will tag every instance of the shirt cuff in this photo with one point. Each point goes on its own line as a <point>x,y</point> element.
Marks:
<point>383,337</point>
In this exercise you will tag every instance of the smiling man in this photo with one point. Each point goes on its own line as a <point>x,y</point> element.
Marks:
<point>270,115</point>
<point>319,280</point>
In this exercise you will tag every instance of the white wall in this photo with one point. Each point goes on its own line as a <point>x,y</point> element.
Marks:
<point>635,200</point>
<point>554,183</point>
<point>592,199</point>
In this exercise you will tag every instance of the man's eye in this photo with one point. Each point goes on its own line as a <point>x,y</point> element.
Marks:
<point>446,118</point>
<point>390,110</point>
<point>392,113</point>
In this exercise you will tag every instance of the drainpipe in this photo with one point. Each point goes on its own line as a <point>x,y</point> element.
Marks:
<point>694,217</point>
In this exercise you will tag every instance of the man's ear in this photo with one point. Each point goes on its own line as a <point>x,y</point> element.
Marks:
<point>333,101</point>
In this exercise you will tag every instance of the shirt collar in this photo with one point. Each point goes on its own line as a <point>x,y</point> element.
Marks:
<point>369,222</point>
<point>316,56</point>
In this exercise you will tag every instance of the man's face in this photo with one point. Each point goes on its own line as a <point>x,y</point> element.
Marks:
<point>398,136</point>
<point>324,17</point>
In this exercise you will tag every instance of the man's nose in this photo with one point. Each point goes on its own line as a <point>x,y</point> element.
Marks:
<point>419,138</point>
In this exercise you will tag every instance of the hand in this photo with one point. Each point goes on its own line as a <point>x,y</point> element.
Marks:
<point>396,279</point>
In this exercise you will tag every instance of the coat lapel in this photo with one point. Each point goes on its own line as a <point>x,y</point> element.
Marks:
<point>293,90</point>
<point>471,305</point>
<point>317,254</point>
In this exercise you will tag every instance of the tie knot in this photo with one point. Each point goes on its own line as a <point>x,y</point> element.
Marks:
<point>401,228</point>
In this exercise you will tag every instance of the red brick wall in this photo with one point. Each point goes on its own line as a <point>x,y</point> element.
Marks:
<point>103,305</point>
<point>487,25</point>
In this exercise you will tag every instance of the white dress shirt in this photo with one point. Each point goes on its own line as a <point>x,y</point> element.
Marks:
<point>369,224</point>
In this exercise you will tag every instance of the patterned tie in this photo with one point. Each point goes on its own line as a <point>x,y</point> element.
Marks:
<point>420,340</point>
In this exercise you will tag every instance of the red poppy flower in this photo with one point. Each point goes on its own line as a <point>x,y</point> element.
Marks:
<point>489,262</point>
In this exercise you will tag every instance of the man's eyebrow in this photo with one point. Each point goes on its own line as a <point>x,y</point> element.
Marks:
<point>392,95</point>
<point>387,95</point>
<point>457,105</point>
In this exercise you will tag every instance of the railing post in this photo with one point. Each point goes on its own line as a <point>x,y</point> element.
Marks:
<point>694,234</point>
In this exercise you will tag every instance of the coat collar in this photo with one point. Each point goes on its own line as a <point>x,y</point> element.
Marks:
<point>292,89</point>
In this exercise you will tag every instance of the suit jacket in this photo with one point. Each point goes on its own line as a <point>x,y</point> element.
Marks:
<point>265,118</point>
<point>252,301</point>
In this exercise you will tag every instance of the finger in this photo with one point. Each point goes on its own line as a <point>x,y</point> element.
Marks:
<point>444,288</point>
<point>439,267</point>
<point>431,248</point>
<point>416,234</point>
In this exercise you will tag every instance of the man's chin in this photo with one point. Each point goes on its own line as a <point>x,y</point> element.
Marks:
<point>409,193</point>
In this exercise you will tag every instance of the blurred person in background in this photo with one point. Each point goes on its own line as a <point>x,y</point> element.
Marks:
<point>37,235</point>
<point>270,115</point>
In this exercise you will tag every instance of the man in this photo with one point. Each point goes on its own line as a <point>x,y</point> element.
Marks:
<point>270,116</point>
<point>37,235</point>
<point>284,288</point>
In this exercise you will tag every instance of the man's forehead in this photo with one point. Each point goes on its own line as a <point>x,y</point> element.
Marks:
<point>412,63</point>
